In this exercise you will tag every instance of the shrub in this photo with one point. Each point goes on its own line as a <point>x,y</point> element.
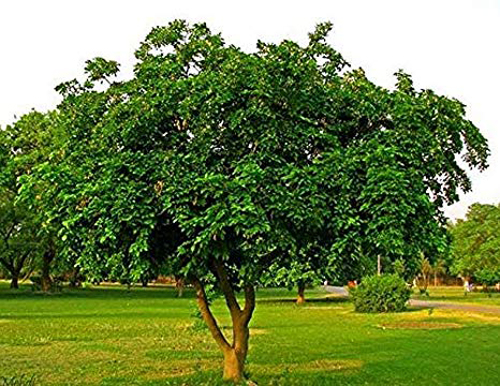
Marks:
<point>384,293</point>
<point>488,277</point>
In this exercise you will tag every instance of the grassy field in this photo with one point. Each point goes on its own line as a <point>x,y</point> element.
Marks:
<point>109,336</point>
<point>456,295</point>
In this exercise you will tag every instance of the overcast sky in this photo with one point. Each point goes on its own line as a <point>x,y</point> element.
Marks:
<point>450,46</point>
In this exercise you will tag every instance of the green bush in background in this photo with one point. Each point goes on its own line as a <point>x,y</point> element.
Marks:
<point>384,293</point>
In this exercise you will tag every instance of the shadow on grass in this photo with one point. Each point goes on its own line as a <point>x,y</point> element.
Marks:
<point>97,315</point>
<point>316,372</point>
<point>328,299</point>
<point>98,292</point>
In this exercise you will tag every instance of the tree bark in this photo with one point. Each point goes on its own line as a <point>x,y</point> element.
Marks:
<point>301,299</point>
<point>47,258</point>
<point>14,269</point>
<point>73,280</point>
<point>235,353</point>
<point>233,366</point>
<point>14,282</point>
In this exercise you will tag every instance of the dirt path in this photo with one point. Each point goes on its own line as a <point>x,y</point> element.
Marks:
<point>454,306</point>
<point>341,291</point>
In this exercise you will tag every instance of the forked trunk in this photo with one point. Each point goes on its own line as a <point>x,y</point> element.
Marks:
<point>301,299</point>
<point>234,354</point>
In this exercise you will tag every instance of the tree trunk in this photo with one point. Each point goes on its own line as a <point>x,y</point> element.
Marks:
<point>47,258</point>
<point>179,286</point>
<point>14,283</point>
<point>73,280</point>
<point>234,354</point>
<point>234,365</point>
<point>144,283</point>
<point>301,299</point>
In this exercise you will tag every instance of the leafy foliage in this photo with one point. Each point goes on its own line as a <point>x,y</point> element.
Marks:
<point>211,162</point>
<point>18,241</point>
<point>21,239</point>
<point>488,276</point>
<point>399,268</point>
<point>423,278</point>
<point>384,293</point>
<point>276,157</point>
<point>476,243</point>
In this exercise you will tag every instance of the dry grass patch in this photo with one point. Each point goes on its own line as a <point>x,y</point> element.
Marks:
<point>257,331</point>
<point>182,367</point>
<point>320,365</point>
<point>420,325</point>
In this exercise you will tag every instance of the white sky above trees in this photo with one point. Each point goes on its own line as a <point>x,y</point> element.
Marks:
<point>450,46</point>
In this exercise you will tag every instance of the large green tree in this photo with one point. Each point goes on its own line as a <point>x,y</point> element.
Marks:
<point>222,163</point>
<point>31,142</point>
<point>476,244</point>
<point>18,240</point>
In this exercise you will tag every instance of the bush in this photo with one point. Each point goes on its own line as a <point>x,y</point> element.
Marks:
<point>488,277</point>
<point>384,293</point>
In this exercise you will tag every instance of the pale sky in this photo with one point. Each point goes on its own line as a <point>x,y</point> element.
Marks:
<point>450,46</point>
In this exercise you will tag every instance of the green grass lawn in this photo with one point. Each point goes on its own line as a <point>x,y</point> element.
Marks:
<point>109,336</point>
<point>455,294</point>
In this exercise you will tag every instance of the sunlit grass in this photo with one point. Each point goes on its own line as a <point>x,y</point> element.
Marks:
<point>456,294</point>
<point>109,336</point>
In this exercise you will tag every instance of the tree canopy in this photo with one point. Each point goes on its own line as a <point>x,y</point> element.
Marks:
<point>476,244</point>
<point>220,163</point>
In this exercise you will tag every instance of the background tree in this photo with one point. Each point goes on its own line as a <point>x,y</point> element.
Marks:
<point>299,274</point>
<point>476,243</point>
<point>33,140</point>
<point>18,233</point>
<point>18,245</point>
<point>439,270</point>
<point>424,275</point>
<point>223,163</point>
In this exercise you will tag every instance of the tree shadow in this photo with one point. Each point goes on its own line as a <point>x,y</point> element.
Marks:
<point>327,299</point>
<point>102,292</point>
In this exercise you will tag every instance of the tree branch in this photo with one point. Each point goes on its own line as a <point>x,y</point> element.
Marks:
<point>249,304</point>
<point>208,317</point>
<point>6,236</point>
<point>8,265</point>
<point>227,290</point>
<point>22,261</point>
